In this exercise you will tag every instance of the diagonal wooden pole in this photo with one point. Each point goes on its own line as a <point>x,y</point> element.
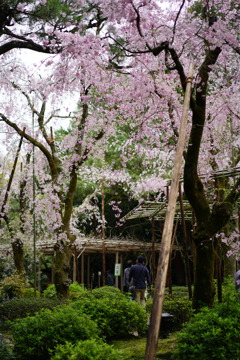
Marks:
<point>2,211</point>
<point>156,313</point>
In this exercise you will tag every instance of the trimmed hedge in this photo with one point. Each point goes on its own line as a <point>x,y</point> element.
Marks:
<point>35,336</point>
<point>211,334</point>
<point>87,350</point>
<point>115,315</point>
<point>20,308</point>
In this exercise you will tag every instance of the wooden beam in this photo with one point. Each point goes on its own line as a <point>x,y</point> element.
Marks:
<point>156,313</point>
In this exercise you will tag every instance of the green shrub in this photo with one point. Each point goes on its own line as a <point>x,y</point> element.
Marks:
<point>87,350</point>
<point>50,292</point>
<point>19,308</point>
<point>35,336</point>
<point>211,334</point>
<point>5,350</point>
<point>13,286</point>
<point>116,317</point>
<point>76,290</point>
<point>179,307</point>
<point>29,292</point>
<point>107,291</point>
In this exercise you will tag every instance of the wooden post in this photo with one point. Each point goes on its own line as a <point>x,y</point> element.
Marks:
<point>88,272</point>
<point>82,269</point>
<point>53,270</point>
<point>153,252</point>
<point>121,262</point>
<point>39,274</point>
<point>156,313</point>
<point>185,245</point>
<point>2,211</point>
<point>74,268</point>
<point>116,277</point>
<point>169,273</point>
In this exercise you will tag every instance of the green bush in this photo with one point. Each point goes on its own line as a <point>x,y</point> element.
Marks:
<point>76,290</point>
<point>116,317</point>
<point>5,350</point>
<point>35,336</point>
<point>20,308</point>
<point>87,350</point>
<point>13,286</point>
<point>50,292</point>
<point>30,293</point>
<point>108,291</point>
<point>179,307</point>
<point>211,334</point>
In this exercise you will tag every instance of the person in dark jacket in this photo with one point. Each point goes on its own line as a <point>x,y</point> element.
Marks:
<point>126,276</point>
<point>140,278</point>
<point>109,278</point>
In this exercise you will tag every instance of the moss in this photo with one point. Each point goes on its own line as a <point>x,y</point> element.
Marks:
<point>134,348</point>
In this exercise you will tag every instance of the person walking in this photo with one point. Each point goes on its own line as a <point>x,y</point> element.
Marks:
<point>140,278</point>
<point>110,278</point>
<point>126,276</point>
<point>237,277</point>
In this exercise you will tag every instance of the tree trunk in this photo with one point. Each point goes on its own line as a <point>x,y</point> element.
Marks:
<point>18,255</point>
<point>62,268</point>
<point>204,290</point>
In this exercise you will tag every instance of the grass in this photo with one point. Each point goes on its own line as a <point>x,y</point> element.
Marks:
<point>134,348</point>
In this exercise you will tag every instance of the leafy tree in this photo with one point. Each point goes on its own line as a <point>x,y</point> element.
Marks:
<point>209,31</point>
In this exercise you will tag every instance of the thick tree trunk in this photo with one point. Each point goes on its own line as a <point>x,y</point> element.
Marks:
<point>18,255</point>
<point>62,268</point>
<point>204,289</point>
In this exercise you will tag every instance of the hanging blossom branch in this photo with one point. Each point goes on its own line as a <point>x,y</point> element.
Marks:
<point>31,140</point>
<point>175,22</point>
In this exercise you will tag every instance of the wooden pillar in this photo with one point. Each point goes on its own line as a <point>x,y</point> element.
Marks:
<point>185,245</point>
<point>116,262</point>
<point>153,252</point>
<point>53,269</point>
<point>88,272</point>
<point>169,275</point>
<point>74,267</point>
<point>82,268</point>
<point>39,274</point>
<point>121,262</point>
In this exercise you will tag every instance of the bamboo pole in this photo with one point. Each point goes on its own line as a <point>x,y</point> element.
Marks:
<point>156,313</point>
<point>2,211</point>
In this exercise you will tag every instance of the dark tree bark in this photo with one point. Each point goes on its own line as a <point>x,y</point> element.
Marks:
<point>209,222</point>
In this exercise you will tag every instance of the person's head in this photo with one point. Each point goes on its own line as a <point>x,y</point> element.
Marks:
<point>129,263</point>
<point>140,259</point>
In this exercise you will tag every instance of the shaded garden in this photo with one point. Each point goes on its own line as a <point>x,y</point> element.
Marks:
<point>104,324</point>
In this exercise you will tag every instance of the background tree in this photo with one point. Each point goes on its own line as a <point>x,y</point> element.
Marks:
<point>209,31</point>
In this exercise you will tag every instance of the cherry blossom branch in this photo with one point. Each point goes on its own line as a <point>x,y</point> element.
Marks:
<point>32,141</point>
<point>176,19</point>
